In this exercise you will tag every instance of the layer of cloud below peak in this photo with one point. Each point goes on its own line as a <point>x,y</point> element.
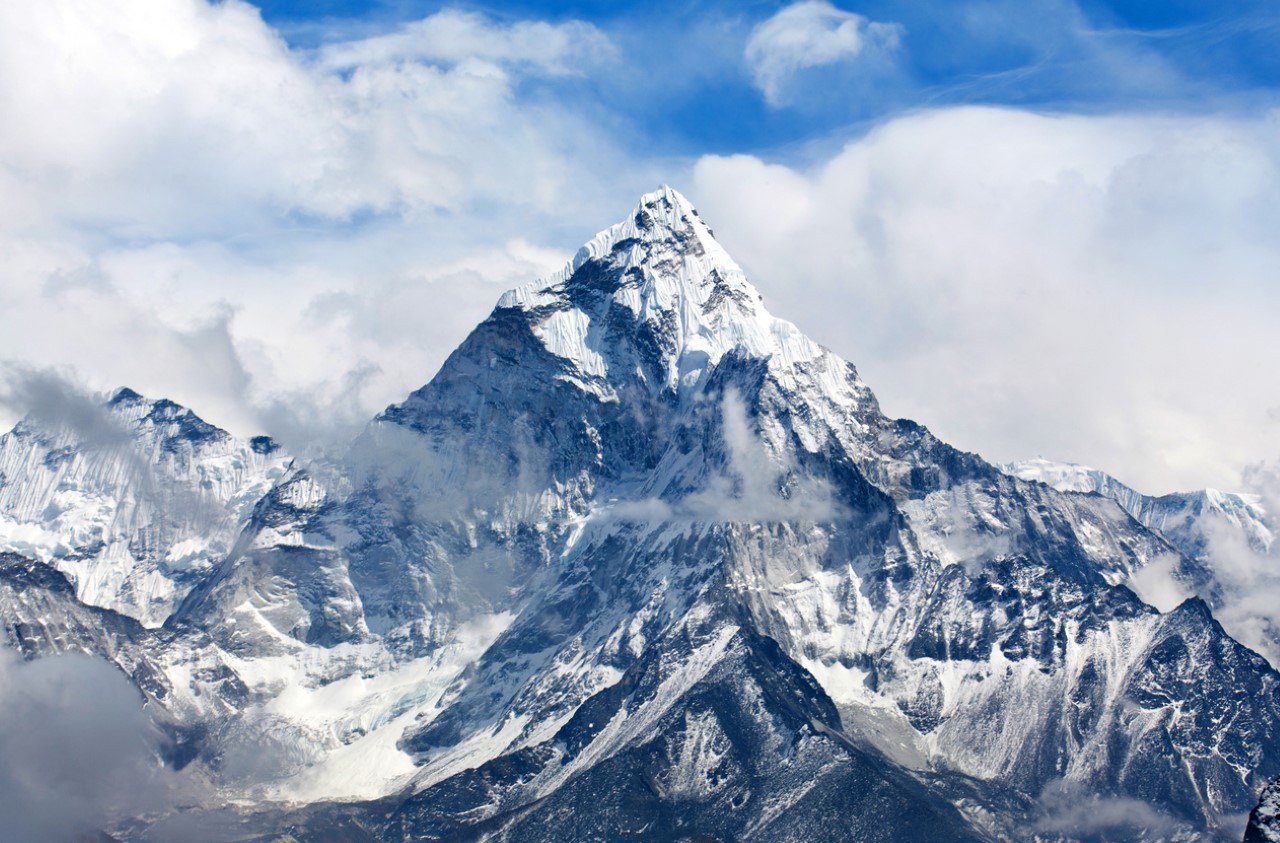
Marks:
<point>1092,289</point>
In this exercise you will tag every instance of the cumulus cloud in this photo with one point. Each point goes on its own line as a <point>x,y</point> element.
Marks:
<point>77,751</point>
<point>812,34</point>
<point>131,108</point>
<point>1098,289</point>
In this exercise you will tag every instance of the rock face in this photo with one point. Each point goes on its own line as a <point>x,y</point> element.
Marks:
<point>1264,822</point>
<point>1227,553</point>
<point>1186,519</point>
<point>644,562</point>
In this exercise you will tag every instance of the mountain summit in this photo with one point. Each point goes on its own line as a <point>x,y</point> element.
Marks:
<point>644,562</point>
<point>664,270</point>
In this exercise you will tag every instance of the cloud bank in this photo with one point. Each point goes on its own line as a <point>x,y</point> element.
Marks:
<point>1092,289</point>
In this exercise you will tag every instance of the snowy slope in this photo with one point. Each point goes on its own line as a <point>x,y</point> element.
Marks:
<point>134,504</point>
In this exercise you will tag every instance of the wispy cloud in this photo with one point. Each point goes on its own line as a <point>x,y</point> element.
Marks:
<point>757,483</point>
<point>53,399</point>
<point>454,37</point>
<point>812,34</point>
<point>1064,810</point>
<point>1157,583</point>
<point>1246,566</point>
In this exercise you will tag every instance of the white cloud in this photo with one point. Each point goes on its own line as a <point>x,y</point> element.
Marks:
<point>123,113</point>
<point>1094,289</point>
<point>1066,810</point>
<point>193,208</point>
<point>1246,566</point>
<point>1157,583</point>
<point>454,36</point>
<point>1263,479</point>
<point>76,749</point>
<point>811,34</point>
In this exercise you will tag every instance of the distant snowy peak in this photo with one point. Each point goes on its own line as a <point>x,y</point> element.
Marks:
<point>663,268</point>
<point>1173,515</point>
<point>131,498</point>
<point>169,424</point>
<point>1068,477</point>
<point>1227,542</point>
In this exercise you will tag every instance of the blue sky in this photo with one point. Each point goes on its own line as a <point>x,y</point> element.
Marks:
<point>1048,54</point>
<point>1041,227</point>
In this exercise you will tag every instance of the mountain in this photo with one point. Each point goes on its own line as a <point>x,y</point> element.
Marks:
<point>1229,556</point>
<point>133,500</point>
<point>644,562</point>
<point>1187,519</point>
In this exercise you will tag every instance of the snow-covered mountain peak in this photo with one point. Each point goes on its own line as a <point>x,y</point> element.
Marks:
<point>662,269</point>
<point>640,560</point>
<point>663,221</point>
<point>131,498</point>
<point>170,424</point>
<point>1244,511</point>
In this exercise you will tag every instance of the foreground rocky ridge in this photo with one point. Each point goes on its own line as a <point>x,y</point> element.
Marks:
<point>1264,821</point>
<point>644,561</point>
